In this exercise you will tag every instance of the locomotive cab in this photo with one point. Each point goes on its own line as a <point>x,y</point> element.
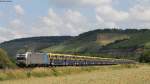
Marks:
<point>22,59</point>
<point>32,59</point>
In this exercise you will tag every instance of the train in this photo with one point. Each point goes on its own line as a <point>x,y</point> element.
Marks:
<point>52,59</point>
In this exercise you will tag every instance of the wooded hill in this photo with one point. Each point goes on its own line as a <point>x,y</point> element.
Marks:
<point>31,44</point>
<point>129,43</point>
<point>116,43</point>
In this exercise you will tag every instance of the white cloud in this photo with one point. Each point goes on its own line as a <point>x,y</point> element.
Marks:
<point>138,16</point>
<point>52,18</point>
<point>110,14</point>
<point>69,23</point>
<point>109,17</point>
<point>78,23</point>
<point>5,34</point>
<point>106,15</point>
<point>19,29</point>
<point>140,13</point>
<point>74,16</point>
<point>19,10</point>
<point>72,21</point>
<point>104,24</point>
<point>16,23</point>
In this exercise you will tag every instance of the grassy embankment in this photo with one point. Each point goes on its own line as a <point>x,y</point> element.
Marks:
<point>54,71</point>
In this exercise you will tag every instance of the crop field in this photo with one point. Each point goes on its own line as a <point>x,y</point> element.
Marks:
<point>103,75</point>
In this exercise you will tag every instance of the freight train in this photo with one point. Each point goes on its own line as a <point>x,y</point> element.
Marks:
<point>51,59</point>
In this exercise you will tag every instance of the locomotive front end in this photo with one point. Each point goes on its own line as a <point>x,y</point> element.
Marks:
<point>21,59</point>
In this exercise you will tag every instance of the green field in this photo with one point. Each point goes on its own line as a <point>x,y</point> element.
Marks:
<point>102,75</point>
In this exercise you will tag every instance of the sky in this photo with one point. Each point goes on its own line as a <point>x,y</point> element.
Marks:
<point>31,18</point>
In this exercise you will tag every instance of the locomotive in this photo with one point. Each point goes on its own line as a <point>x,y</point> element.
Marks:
<point>51,59</point>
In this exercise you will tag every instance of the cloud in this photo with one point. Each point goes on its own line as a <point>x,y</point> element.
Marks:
<point>140,12</point>
<point>109,17</point>
<point>5,34</point>
<point>137,16</point>
<point>19,10</point>
<point>107,13</point>
<point>73,19</point>
<point>69,23</point>
<point>18,29</point>
<point>76,22</point>
<point>16,23</point>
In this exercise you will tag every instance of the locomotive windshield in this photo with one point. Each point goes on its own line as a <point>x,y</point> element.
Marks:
<point>21,57</point>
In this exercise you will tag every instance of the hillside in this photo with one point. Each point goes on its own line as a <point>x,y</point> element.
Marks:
<point>116,43</point>
<point>32,44</point>
<point>106,43</point>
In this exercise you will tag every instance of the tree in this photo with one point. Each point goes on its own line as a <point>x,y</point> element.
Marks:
<point>145,57</point>
<point>5,61</point>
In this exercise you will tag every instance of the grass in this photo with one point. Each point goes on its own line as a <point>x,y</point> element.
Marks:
<point>54,71</point>
<point>103,75</point>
